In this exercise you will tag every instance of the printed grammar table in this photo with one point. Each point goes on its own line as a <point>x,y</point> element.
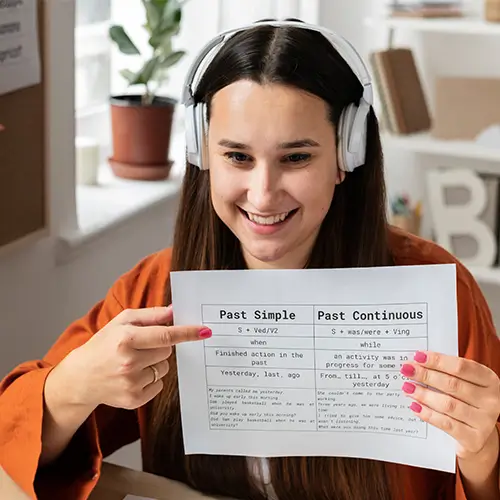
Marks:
<point>308,362</point>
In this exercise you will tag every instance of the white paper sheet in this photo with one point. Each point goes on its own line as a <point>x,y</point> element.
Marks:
<point>299,364</point>
<point>19,48</point>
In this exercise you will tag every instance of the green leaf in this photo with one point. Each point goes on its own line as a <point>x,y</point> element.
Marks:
<point>166,47</point>
<point>148,70</point>
<point>160,4</point>
<point>130,76</point>
<point>144,75</point>
<point>153,15</point>
<point>172,11</point>
<point>122,40</point>
<point>172,59</point>
<point>172,15</point>
<point>162,36</point>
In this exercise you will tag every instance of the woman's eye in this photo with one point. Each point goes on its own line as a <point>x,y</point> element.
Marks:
<point>298,157</point>
<point>236,157</point>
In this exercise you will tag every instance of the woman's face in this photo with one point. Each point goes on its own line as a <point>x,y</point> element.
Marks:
<point>273,169</point>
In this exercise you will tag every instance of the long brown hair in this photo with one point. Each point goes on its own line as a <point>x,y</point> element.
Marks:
<point>353,234</point>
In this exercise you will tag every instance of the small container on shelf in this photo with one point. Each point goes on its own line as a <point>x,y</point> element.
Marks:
<point>404,216</point>
<point>87,161</point>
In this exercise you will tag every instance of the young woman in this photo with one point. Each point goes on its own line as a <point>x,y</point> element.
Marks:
<point>285,171</point>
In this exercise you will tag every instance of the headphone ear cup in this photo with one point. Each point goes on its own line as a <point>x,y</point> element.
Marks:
<point>196,135</point>
<point>344,126</point>
<point>192,145</point>
<point>352,138</point>
<point>202,135</point>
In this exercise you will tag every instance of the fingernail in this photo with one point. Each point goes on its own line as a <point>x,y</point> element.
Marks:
<point>420,357</point>
<point>415,407</point>
<point>205,333</point>
<point>409,388</point>
<point>408,370</point>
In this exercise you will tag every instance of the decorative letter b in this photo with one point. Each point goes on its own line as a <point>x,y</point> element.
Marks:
<point>463,219</point>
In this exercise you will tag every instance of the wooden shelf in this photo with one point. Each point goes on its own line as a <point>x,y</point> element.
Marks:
<point>426,144</point>
<point>465,26</point>
<point>480,158</point>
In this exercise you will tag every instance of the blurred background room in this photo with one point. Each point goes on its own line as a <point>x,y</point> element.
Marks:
<point>89,184</point>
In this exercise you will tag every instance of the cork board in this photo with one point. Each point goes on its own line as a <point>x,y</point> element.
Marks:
<point>23,200</point>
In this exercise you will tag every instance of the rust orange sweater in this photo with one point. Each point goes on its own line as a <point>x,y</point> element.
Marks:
<point>74,476</point>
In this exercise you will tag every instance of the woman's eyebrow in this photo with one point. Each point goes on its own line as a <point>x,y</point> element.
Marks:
<point>228,143</point>
<point>300,143</point>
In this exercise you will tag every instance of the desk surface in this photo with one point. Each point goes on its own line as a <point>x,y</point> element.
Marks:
<point>115,484</point>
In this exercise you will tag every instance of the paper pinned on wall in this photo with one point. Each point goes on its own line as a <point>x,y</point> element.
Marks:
<point>20,64</point>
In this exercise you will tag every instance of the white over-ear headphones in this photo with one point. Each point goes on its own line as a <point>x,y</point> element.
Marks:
<point>353,121</point>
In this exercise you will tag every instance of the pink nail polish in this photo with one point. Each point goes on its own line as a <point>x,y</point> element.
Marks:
<point>408,370</point>
<point>409,388</point>
<point>415,407</point>
<point>420,357</point>
<point>205,333</point>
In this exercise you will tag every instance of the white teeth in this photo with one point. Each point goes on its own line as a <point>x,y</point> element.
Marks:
<point>267,221</point>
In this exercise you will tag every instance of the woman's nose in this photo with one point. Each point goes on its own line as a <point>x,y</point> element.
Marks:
<point>264,184</point>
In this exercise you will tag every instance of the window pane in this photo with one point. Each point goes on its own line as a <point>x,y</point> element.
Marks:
<point>92,11</point>
<point>97,126</point>
<point>92,81</point>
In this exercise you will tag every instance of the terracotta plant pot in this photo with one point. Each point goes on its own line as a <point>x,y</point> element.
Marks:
<point>141,137</point>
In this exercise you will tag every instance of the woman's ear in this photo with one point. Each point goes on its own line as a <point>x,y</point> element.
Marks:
<point>340,176</point>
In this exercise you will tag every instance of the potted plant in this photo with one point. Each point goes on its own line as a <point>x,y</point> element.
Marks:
<point>141,123</point>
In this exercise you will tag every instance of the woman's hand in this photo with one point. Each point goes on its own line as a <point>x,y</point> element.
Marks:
<point>123,364</point>
<point>467,405</point>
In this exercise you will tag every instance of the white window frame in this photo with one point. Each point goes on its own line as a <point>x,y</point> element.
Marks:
<point>92,40</point>
<point>70,44</point>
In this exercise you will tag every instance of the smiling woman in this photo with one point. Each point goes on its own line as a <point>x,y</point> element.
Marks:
<point>273,168</point>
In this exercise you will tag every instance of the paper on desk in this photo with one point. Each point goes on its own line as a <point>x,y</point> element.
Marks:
<point>19,48</point>
<point>307,362</point>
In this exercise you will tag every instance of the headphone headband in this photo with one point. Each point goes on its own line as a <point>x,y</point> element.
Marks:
<point>344,48</point>
<point>352,127</point>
